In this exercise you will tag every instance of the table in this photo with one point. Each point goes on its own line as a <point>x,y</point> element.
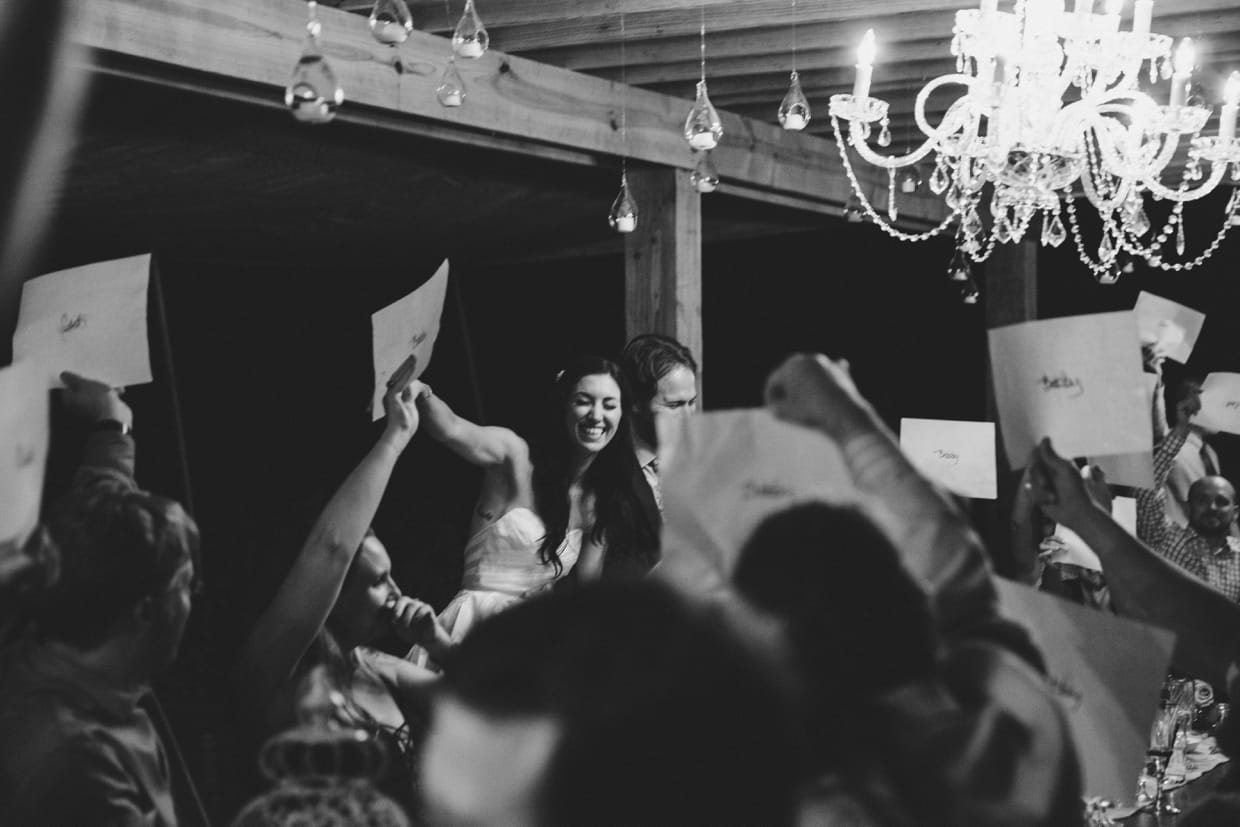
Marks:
<point>1183,797</point>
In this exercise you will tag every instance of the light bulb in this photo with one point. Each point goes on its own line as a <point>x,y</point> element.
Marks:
<point>703,129</point>
<point>1231,90</point>
<point>313,94</point>
<point>867,49</point>
<point>451,89</point>
<point>1185,57</point>
<point>470,38</point>
<point>705,177</point>
<point>391,22</point>
<point>623,215</point>
<point>794,109</point>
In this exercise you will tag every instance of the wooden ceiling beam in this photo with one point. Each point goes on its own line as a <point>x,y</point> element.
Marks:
<point>895,29</point>
<point>571,28</point>
<point>217,44</point>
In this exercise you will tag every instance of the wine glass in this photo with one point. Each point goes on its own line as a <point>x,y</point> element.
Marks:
<point>1162,743</point>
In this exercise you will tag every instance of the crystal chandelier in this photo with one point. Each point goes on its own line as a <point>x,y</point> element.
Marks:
<point>1051,105</point>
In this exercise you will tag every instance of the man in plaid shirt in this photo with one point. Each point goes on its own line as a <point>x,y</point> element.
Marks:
<point>1205,547</point>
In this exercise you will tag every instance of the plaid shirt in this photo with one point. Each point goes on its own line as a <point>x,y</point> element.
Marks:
<point>1182,545</point>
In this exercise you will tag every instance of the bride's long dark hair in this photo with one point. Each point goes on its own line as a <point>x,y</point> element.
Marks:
<point>620,525</point>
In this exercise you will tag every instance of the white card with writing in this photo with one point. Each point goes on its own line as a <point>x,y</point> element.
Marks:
<point>407,327</point>
<point>1107,672</point>
<point>1078,380</point>
<point>1220,403</point>
<point>24,411</point>
<point>1171,326</point>
<point>957,454</point>
<point>90,320</point>
<point>721,474</point>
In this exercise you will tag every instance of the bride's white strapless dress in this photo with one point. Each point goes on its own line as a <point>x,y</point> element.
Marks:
<point>502,567</point>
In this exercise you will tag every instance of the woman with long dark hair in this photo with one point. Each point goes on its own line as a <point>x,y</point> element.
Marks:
<point>556,504</point>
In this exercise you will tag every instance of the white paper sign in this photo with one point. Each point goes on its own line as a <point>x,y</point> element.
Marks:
<point>1173,327</point>
<point>722,473</point>
<point>23,448</point>
<point>1078,380</point>
<point>1124,510</point>
<point>1220,403</point>
<point>90,320</point>
<point>1133,470</point>
<point>1107,672</point>
<point>1073,550</point>
<point>408,326</point>
<point>959,455</point>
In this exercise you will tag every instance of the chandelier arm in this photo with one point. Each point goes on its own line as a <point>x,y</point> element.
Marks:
<point>919,106</point>
<point>865,202</point>
<point>856,137</point>
<point>1111,160</point>
<point>1208,186</point>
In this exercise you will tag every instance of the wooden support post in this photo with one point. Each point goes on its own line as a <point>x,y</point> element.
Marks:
<point>663,259</point>
<point>1011,297</point>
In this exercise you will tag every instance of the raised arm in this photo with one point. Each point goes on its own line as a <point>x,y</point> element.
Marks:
<point>109,452</point>
<point>1143,585</point>
<point>1153,524</point>
<point>477,444</point>
<point>937,543</point>
<point>296,615</point>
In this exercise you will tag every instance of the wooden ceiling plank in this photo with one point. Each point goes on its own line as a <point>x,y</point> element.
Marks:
<point>257,41</point>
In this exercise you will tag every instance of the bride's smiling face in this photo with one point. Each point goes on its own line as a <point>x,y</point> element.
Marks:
<point>594,412</point>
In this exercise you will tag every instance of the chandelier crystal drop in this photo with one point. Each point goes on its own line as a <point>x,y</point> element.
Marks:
<point>1049,115</point>
<point>470,38</point>
<point>313,94</point>
<point>390,22</point>
<point>705,177</point>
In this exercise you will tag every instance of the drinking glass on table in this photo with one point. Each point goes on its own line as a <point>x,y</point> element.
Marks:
<point>1162,743</point>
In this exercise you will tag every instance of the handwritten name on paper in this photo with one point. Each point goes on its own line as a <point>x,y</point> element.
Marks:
<point>418,338</point>
<point>765,490</point>
<point>71,321</point>
<point>947,456</point>
<point>1063,382</point>
<point>1232,404</point>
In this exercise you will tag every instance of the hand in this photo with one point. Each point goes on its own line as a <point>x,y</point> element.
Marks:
<point>810,389</point>
<point>1189,405</point>
<point>1058,487</point>
<point>1153,354</point>
<point>415,622</point>
<point>93,400</point>
<point>400,401</point>
<point>1099,490</point>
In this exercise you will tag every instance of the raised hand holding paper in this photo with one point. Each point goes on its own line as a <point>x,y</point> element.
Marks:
<point>23,448</point>
<point>407,327</point>
<point>1078,380</point>
<point>90,320</point>
<point>1171,327</point>
<point>958,455</point>
<point>1107,672</point>
<point>722,473</point>
<point>1220,403</point>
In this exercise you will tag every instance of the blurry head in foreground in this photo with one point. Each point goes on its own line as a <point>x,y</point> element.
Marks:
<point>611,704</point>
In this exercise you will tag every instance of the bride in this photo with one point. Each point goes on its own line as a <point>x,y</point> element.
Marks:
<point>559,504</point>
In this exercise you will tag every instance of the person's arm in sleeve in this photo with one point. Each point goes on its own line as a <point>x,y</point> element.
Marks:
<point>1143,584</point>
<point>109,452</point>
<point>937,543</point>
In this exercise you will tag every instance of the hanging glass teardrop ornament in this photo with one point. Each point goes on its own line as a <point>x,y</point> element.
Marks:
<point>391,22</point>
<point>623,215</point>
<point>794,109</point>
<point>954,198</point>
<point>1109,276</point>
<point>959,269</point>
<point>705,177</point>
<point>703,129</point>
<point>470,38</point>
<point>1056,234</point>
<point>969,293</point>
<point>1138,221</point>
<point>451,89</point>
<point>938,180</point>
<point>313,94</point>
<point>1106,250</point>
<point>884,135</point>
<point>1179,237</point>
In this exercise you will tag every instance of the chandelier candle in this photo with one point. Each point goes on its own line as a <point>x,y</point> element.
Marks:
<point>1142,13</point>
<point>865,65</point>
<point>1231,102</point>
<point>1183,69</point>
